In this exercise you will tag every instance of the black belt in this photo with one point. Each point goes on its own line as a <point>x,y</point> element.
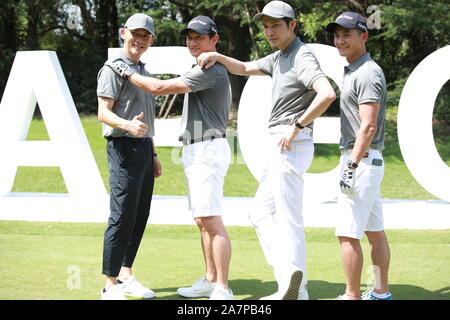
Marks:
<point>131,139</point>
<point>191,141</point>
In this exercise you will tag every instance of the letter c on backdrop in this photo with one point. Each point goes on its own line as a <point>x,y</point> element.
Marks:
<point>253,114</point>
<point>415,123</point>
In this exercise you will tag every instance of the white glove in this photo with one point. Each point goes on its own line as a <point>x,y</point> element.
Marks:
<point>121,68</point>
<point>348,181</point>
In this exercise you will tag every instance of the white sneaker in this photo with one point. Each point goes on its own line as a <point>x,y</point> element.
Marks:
<point>276,296</point>
<point>132,287</point>
<point>113,293</point>
<point>293,292</point>
<point>221,293</point>
<point>303,294</point>
<point>202,288</point>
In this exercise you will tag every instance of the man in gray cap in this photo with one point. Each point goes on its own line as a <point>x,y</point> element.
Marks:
<point>300,93</point>
<point>127,115</point>
<point>206,153</point>
<point>363,109</point>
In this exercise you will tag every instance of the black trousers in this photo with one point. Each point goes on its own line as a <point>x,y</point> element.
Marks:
<point>130,163</point>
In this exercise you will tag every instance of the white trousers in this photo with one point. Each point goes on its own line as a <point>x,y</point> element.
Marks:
<point>277,217</point>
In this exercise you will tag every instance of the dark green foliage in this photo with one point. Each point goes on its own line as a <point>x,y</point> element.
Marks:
<point>408,31</point>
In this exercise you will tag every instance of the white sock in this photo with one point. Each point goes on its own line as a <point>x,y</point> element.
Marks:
<point>381,295</point>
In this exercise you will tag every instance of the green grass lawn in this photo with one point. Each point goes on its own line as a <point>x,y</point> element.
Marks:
<point>397,183</point>
<point>63,261</point>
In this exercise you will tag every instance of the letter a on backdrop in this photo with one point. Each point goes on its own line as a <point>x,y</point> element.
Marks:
<point>37,77</point>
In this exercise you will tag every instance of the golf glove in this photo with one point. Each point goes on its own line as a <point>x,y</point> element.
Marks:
<point>121,68</point>
<point>348,181</point>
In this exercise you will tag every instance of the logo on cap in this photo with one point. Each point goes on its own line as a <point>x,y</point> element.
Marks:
<point>202,25</point>
<point>198,21</point>
<point>346,17</point>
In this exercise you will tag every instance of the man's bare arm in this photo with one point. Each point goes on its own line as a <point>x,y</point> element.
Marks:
<point>105,114</point>
<point>234,66</point>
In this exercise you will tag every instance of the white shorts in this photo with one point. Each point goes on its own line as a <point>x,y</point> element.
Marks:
<point>362,211</point>
<point>205,166</point>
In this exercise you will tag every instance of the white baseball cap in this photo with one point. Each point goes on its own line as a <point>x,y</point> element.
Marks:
<point>277,10</point>
<point>141,21</point>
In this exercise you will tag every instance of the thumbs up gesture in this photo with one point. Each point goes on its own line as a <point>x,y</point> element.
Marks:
<point>136,127</point>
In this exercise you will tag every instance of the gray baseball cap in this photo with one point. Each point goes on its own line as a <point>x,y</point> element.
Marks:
<point>277,10</point>
<point>201,25</point>
<point>349,20</point>
<point>141,21</point>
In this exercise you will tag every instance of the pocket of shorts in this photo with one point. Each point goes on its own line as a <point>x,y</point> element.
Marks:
<point>377,162</point>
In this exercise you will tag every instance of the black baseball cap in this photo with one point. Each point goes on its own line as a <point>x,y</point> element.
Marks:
<point>201,25</point>
<point>349,20</point>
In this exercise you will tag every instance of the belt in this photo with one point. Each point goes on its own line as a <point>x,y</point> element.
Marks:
<point>129,138</point>
<point>191,141</point>
<point>348,151</point>
<point>281,128</point>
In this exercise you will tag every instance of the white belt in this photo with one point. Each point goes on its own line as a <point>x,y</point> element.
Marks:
<point>349,151</point>
<point>283,128</point>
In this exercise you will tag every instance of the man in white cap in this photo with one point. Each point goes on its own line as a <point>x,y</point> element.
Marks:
<point>363,112</point>
<point>127,115</point>
<point>301,93</point>
<point>206,153</point>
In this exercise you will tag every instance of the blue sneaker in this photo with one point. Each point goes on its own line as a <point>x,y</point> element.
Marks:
<point>371,295</point>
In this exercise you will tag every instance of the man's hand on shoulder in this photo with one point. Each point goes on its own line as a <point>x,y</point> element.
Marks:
<point>207,59</point>
<point>120,67</point>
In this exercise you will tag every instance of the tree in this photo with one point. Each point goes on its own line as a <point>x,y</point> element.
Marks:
<point>409,31</point>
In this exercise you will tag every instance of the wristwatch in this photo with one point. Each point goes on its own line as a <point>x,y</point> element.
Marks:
<point>351,164</point>
<point>298,125</point>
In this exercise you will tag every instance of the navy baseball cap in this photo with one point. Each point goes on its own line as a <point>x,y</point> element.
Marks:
<point>277,10</point>
<point>349,20</point>
<point>201,25</point>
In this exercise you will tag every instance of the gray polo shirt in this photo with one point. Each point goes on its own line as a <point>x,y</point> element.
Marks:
<point>293,72</point>
<point>207,107</point>
<point>130,101</point>
<point>364,82</point>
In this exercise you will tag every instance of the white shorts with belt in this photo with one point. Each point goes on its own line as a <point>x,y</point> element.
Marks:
<point>205,165</point>
<point>363,211</point>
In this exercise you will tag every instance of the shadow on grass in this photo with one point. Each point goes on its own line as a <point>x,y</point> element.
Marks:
<point>241,287</point>
<point>325,290</point>
<point>254,289</point>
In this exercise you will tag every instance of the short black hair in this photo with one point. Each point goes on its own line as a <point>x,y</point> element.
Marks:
<point>288,21</point>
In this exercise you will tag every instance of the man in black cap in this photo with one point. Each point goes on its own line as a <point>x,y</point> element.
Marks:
<point>206,153</point>
<point>301,92</point>
<point>127,115</point>
<point>363,109</point>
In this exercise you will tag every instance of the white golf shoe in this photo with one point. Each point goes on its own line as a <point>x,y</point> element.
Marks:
<point>293,291</point>
<point>221,293</point>
<point>113,293</point>
<point>132,287</point>
<point>302,295</point>
<point>202,288</point>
